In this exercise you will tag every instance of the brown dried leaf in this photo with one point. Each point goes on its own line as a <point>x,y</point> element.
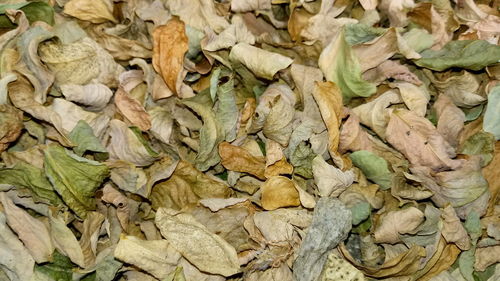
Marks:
<point>398,222</point>
<point>132,110</point>
<point>329,100</point>
<point>453,230</point>
<point>10,125</point>
<point>419,141</point>
<point>278,192</point>
<point>170,45</point>
<point>238,159</point>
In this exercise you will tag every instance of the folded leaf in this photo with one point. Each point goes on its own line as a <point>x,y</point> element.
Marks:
<point>24,175</point>
<point>31,231</point>
<point>375,168</point>
<point>83,136</point>
<point>330,180</point>
<point>15,260</point>
<point>129,146</point>
<point>74,178</point>
<point>398,222</point>
<point>65,241</point>
<point>238,159</point>
<point>170,45</point>
<point>340,65</point>
<point>132,110</point>
<point>211,133</point>
<point>328,96</point>
<point>419,141</point>
<point>210,253</point>
<point>95,96</point>
<point>262,63</point>
<point>278,192</point>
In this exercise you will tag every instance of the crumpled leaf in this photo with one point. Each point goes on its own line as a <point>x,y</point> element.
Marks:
<point>170,45</point>
<point>375,114</point>
<point>331,181</point>
<point>371,54</point>
<point>90,234</point>
<point>395,223</point>
<point>83,136</point>
<point>397,10</point>
<point>453,230</point>
<point>491,116</point>
<point>238,159</point>
<point>156,257</point>
<point>237,32</point>
<point>198,14</point>
<point>71,114</point>
<point>450,119</point>
<point>468,54</point>
<point>211,133</point>
<point>227,112</point>
<point>375,168</point>
<point>419,141</point>
<point>31,231</point>
<point>277,192</point>
<point>460,88</point>
<point>262,63</point>
<point>329,100</point>
<point>458,187</point>
<point>74,178</point>
<point>96,12</point>
<point>186,185</point>
<point>132,110</point>
<point>486,257</point>
<point>24,100</point>
<point>391,69</point>
<point>340,65</point>
<point>415,98</point>
<point>94,96</point>
<point>482,144</point>
<point>36,72</point>
<point>24,175</point>
<point>11,125</point>
<point>211,253</point>
<point>80,62</point>
<point>64,240</point>
<point>15,261</point>
<point>129,146</point>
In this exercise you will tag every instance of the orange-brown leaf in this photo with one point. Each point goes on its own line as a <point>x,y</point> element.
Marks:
<point>170,43</point>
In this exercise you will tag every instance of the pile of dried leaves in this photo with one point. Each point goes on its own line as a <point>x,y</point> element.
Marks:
<point>249,140</point>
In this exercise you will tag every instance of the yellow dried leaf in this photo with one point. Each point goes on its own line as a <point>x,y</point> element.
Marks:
<point>170,43</point>
<point>329,100</point>
<point>238,159</point>
<point>97,11</point>
<point>279,192</point>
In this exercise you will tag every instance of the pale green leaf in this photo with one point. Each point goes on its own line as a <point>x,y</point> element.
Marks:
<point>74,178</point>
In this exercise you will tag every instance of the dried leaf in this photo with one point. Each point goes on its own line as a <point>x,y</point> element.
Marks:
<point>211,253</point>
<point>279,192</point>
<point>170,45</point>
